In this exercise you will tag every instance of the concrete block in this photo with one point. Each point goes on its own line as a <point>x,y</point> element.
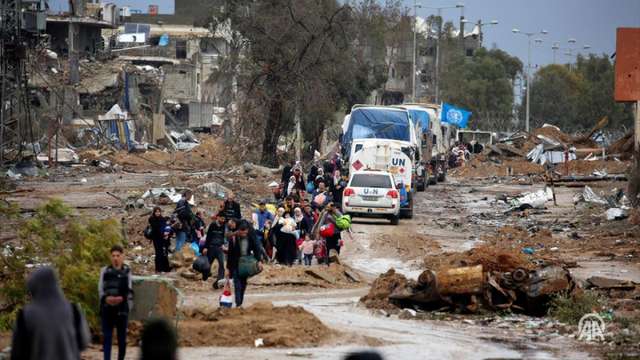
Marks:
<point>153,297</point>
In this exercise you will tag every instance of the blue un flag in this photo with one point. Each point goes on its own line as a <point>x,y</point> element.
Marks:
<point>455,116</point>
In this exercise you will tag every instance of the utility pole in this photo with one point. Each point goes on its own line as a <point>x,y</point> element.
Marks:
<point>636,147</point>
<point>528,75</point>
<point>528,85</point>
<point>413,74</point>
<point>77,10</point>
<point>437,77</point>
<point>437,60</point>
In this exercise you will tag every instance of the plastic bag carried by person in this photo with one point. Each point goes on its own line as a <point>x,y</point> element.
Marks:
<point>148,232</point>
<point>248,266</point>
<point>343,222</point>
<point>202,265</point>
<point>226,300</point>
<point>310,187</point>
<point>320,199</point>
<point>196,248</point>
<point>327,230</point>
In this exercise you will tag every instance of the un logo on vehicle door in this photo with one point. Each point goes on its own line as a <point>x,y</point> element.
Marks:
<point>591,328</point>
<point>454,115</point>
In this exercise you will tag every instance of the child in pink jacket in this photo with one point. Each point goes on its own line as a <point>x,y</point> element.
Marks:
<point>307,247</point>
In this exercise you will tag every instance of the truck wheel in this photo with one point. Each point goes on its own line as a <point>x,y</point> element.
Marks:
<point>395,219</point>
<point>408,213</point>
<point>442,177</point>
<point>422,185</point>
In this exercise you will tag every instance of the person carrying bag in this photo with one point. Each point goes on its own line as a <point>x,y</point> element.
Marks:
<point>243,259</point>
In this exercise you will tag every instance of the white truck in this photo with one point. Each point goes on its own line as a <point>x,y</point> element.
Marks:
<point>383,138</point>
<point>437,138</point>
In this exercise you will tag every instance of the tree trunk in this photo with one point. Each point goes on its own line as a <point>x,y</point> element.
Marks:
<point>272,132</point>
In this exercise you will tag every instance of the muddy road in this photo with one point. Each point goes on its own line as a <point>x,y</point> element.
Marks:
<point>448,217</point>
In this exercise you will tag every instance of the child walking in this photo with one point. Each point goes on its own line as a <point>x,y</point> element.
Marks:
<point>307,248</point>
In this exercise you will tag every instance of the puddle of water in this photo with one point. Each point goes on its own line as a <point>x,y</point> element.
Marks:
<point>611,269</point>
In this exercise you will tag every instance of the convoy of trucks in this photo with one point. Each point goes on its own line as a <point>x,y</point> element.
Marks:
<point>408,141</point>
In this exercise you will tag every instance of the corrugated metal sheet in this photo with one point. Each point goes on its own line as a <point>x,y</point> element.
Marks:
<point>200,114</point>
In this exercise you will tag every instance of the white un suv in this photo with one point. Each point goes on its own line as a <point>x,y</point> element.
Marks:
<point>372,193</point>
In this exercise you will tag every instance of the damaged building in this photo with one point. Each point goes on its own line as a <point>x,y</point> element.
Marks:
<point>123,83</point>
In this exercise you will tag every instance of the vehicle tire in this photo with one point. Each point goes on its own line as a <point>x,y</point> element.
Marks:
<point>408,213</point>
<point>442,177</point>
<point>422,185</point>
<point>433,181</point>
<point>395,219</point>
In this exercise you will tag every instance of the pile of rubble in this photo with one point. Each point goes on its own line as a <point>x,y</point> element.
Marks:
<point>470,289</point>
<point>575,157</point>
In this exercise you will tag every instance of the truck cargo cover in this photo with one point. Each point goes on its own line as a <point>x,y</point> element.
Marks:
<point>376,123</point>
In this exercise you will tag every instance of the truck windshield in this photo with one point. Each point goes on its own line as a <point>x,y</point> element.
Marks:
<point>371,181</point>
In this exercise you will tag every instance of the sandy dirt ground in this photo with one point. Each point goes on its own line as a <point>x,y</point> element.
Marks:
<point>324,315</point>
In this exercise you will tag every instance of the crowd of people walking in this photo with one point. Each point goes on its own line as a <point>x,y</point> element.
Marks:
<point>302,221</point>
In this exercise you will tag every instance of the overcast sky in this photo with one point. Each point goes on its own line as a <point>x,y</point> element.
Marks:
<point>590,22</point>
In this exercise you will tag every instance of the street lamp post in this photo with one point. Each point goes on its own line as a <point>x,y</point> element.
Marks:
<point>437,59</point>
<point>415,25</point>
<point>529,35</point>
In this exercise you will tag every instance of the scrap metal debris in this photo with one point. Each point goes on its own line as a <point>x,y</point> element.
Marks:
<point>471,288</point>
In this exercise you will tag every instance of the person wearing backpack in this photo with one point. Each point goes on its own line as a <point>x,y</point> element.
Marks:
<point>185,215</point>
<point>49,327</point>
<point>115,289</point>
<point>231,207</point>
<point>243,260</point>
<point>157,225</point>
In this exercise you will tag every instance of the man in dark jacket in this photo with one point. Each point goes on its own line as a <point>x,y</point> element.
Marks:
<point>286,172</point>
<point>213,246</point>
<point>231,207</point>
<point>244,244</point>
<point>115,289</point>
<point>48,328</point>
<point>185,215</point>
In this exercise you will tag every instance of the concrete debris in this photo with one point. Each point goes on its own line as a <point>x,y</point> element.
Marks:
<point>617,204</point>
<point>62,156</point>
<point>51,54</point>
<point>158,194</point>
<point>155,297</point>
<point>25,168</point>
<point>215,188</point>
<point>254,169</point>
<point>589,196</point>
<point>616,214</point>
<point>13,175</point>
<point>184,141</point>
<point>600,282</point>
